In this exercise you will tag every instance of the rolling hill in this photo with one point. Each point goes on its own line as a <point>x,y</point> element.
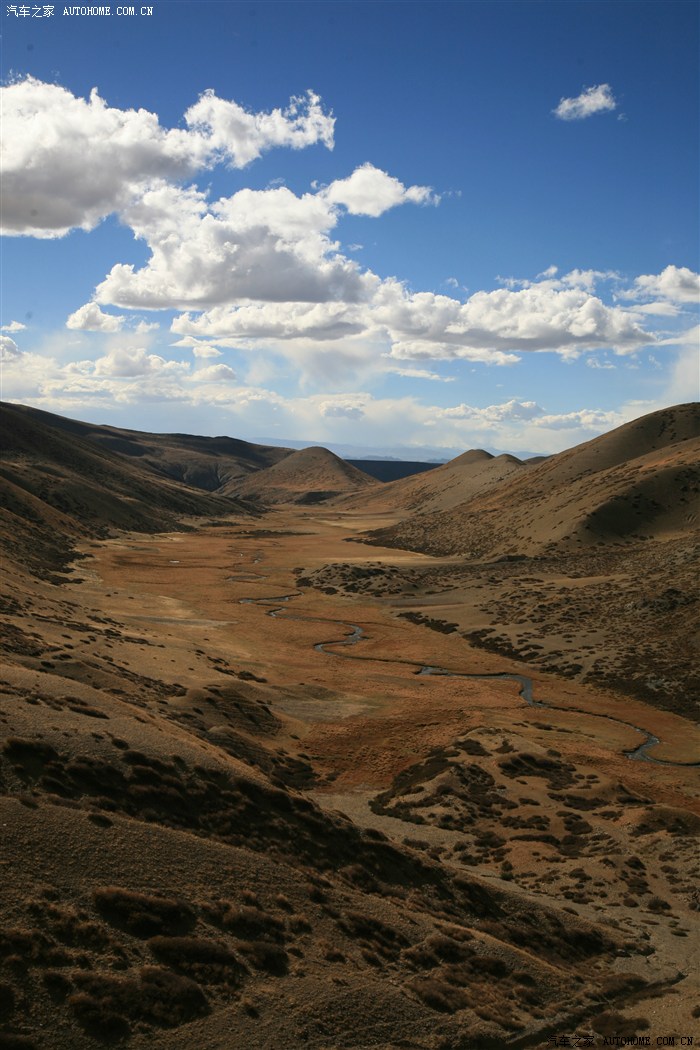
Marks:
<point>310,475</point>
<point>443,487</point>
<point>641,480</point>
<point>202,462</point>
<point>57,486</point>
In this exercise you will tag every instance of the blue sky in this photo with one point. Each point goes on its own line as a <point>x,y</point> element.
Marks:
<point>477,225</point>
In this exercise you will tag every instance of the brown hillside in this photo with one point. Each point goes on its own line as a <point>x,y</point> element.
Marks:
<point>641,480</point>
<point>307,476</point>
<point>448,485</point>
<point>202,462</point>
<point>56,486</point>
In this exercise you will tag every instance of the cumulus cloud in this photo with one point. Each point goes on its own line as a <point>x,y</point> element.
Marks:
<point>370,191</point>
<point>90,318</point>
<point>272,321</point>
<point>495,327</point>
<point>13,326</point>
<point>492,414</point>
<point>215,374</point>
<point>267,245</point>
<point>9,351</point>
<point>349,408</point>
<point>539,317</point>
<point>260,245</point>
<point>675,284</point>
<point>204,350</point>
<point>241,137</point>
<point>68,162</point>
<point>598,99</point>
<point>125,362</point>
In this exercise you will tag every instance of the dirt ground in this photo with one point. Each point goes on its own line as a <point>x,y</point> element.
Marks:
<point>542,797</point>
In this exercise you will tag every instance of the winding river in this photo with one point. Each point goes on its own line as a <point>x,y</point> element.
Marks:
<point>356,634</point>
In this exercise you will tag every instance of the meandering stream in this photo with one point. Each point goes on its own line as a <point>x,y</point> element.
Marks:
<point>356,634</point>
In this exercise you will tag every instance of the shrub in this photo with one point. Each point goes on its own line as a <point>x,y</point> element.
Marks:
<point>141,914</point>
<point>200,957</point>
<point>248,923</point>
<point>266,956</point>
<point>7,1000</point>
<point>439,995</point>
<point>105,1005</point>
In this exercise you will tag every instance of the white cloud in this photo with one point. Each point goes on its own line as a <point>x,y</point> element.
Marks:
<point>90,318</point>
<point>370,191</point>
<point>510,410</point>
<point>590,419</point>
<point>125,362</point>
<point>594,362</point>
<point>9,350</point>
<point>675,284</point>
<point>348,408</point>
<point>539,317</point>
<point>684,380</point>
<point>68,162</point>
<point>494,327</point>
<point>267,245</point>
<point>246,324</point>
<point>420,373</point>
<point>241,137</point>
<point>13,326</point>
<point>214,374</point>
<point>598,99</point>
<point>658,309</point>
<point>204,350</point>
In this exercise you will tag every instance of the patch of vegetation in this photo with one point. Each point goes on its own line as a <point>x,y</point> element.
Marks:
<point>105,1006</point>
<point>210,961</point>
<point>142,914</point>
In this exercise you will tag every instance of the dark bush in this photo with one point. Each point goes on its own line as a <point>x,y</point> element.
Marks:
<point>439,995</point>
<point>105,1005</point>
<point>7,1000</point>
<point>248,923</point>
<point>142,914</point>
<point>205,959</point>
<point>265,956</point>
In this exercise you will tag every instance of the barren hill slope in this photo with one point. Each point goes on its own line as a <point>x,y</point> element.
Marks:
<point>307,476</point>
<point>57,486</point>
<point>442,487</point>
<point>641,480</point>
<point>203,462</point>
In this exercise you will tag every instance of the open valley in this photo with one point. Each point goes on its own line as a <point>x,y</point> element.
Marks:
<point>267,782</point>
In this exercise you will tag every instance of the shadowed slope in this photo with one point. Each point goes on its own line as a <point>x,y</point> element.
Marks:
<point>203,462</point>
<point>57,486</point>
<point>641,480</point>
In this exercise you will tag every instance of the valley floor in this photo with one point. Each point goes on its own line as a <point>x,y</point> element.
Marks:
<point>321,645</point>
